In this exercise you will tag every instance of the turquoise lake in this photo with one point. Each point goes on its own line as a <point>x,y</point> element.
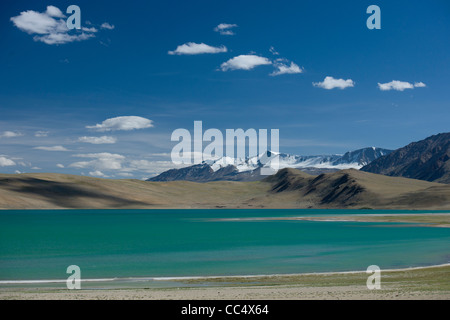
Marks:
<point>41,244</point>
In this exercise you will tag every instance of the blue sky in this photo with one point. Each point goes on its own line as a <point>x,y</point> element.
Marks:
<point>50,92</point>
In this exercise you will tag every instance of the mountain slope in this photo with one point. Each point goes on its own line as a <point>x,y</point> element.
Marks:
<point>227,169</point>
<point>353,188</point>
<point>428,159</point>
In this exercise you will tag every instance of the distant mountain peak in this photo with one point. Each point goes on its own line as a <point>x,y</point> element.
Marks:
<point>248,169</point>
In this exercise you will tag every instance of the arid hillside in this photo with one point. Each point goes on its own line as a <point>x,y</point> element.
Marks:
<point>289,188</point>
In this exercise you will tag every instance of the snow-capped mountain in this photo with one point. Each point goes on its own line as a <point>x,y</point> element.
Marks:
<point>227,168</point>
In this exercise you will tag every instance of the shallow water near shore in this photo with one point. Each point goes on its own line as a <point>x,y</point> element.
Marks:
<point>138,247</point>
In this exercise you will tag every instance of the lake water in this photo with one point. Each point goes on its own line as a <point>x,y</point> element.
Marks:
<point>41,244</point>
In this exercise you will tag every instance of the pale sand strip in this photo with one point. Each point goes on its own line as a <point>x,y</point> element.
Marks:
<point>221,278</point>
<point>411,283</point>
<point>441,220</point>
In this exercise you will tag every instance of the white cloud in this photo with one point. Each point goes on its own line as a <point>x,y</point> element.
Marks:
<point>106,25</point>
<point>10,134</point>
<point>102,161</point>
<point>100,155</point>
<point>54,148</point>
<point>395,85</point>
<point>285,69</point>
<point>244,62</point>
<point>98,173</point>
<point>98,140</point>
<point>49,26</point>
<point>40,134</point>
<point>91,29</point>
<point>59,165</point>
<point>419,85</point>
<point>4,162</point>
<point>273,51</point>
<point>225,29</point>
<point>123,123</point>
<point>192,48</point>
<point>120,165</point>
<point>125,174</point>
<point>53,11</point>
<point>153,167</point>
<point>35,22</point>
<point>61,38</point>
<point>331,83</point>
<point>400,85</point>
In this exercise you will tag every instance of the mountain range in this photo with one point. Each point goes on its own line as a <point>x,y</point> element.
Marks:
<point>428,159</point>
<point>228,169</point>
<point>390,187</point>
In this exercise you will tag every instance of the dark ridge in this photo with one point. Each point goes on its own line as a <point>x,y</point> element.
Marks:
<point>428,159</point>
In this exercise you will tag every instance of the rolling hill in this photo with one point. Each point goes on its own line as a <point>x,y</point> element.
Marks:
<point>289,188</point>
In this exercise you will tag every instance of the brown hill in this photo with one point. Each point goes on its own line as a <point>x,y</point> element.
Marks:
<point>289,188</point>
<point>352,188</point>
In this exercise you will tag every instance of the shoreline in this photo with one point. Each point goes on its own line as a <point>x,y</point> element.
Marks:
<point>188,278</point>
<point>438,219</point>
<point>417,283</point>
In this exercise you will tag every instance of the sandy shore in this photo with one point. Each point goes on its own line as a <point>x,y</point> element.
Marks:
<point>415,283</point>
<point>441,220</point>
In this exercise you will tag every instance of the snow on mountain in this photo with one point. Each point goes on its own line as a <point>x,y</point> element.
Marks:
<point>226,168</point>
<point>354,159</point>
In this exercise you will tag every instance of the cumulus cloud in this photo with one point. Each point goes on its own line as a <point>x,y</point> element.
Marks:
<point>395,85</point>
<point>53,11</point>
<point>399,85</point>
<point>54,148</point>
<point>59,165</point>
<point>225,29</point>
<point>283,68</point>
<point>61,38</point>
<point>244,62</point>
<point>91,29</point>
<point>123,123</point>
<point>331,83</point>
<point>101,161</point>
<point>119,165</point>
<point>10,134</point>
<point>98,140</point>
<point>98,173</point>
<point>5,162</point>
<point>192,48</point>
<point>106,25</point>
<point>35,22</point>
<point>50,27</point>
<point>419,85</point>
